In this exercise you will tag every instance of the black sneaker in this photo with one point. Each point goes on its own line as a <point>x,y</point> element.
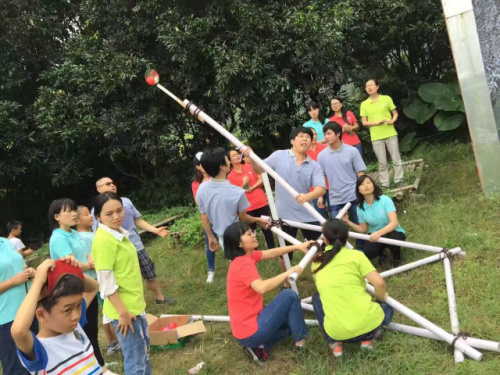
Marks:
<point>165,301</point>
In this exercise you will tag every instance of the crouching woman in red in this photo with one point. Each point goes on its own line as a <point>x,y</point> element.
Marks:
<point>256,327</point>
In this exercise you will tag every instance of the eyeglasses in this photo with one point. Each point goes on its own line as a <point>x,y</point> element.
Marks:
<point>107,184</point>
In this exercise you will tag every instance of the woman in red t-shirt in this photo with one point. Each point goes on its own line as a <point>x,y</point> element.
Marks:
<point>200,176</point>
<point>256,327</point>
<point>348,121</point>
<point>313,153</point>
<point>243,175</point>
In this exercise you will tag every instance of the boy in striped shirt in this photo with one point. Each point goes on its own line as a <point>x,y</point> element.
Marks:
<point>61,347</point>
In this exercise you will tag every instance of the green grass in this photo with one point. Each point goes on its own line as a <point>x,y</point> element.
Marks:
<point>453,213</point>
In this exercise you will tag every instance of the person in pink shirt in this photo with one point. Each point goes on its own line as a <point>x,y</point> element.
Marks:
<point>243,175</point>
<point>349,124</point>
<point>258,328</point>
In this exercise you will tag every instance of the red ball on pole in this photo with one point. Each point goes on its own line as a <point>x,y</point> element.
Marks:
<point>152,77</point>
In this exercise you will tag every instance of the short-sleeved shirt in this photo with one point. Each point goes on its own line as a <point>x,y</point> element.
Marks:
<point>301,178</point>
<point>221,202</point>
<point>257,198</point>
<point>348,139</point>
<point>67,353</point>
<point>111,254</point>
<point>318,126</point>
<point>313,154</point>
<point>11,263</point>
<point>195,185</point>
<point>17,243</point>
<point>244,303</point>
<point>88,238</point>
<point>376,215</point>
<point>341,167</point>
<point>131,213</point>
<point>376,111</point>
<point>349,309</point>
<point>64,243</point>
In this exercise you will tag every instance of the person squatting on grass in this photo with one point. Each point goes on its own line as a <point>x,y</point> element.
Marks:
<point>65,241</point>
<point>84,228</point>
<point>243,175</point>
<point>256,327</point>
<point>120,284</point>
<point>302,173</point>
<point>14,285</point>
<point>132,220</point>
<point>200,176</point>
<point>344,309</point>
<point>61,346</point>
<point>377,216</point>
<point>220,203</point>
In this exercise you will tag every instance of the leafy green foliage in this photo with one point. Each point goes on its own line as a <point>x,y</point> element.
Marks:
<point>420,111</point>
<point>188,231</point>
<point>445,121</point>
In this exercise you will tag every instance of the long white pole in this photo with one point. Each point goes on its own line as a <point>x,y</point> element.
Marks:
<point>422,332</point>
<point>419,319</point>
<point>225,319</point>
<point>307,306</point>
<point>274,214</point>
<point>313,250</point>
<point>420,262</point>
<point>452,304</point>
<point>388,241</point>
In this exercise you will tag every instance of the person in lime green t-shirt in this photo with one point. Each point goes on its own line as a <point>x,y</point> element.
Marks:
<point>379,114</point>
<point>120,284</point>
<point>344,309</point>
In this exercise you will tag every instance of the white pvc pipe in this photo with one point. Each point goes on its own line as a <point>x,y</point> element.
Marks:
<point>225,319</point>
<point>419,319</point>
<point>307,300</point>
<point>274,214</point>
<point>360,236</point>
<point>206,118</point>
<point>312,251</point>
<point>422,332</point>
<point>306,306</point>
<point>420,262</point>
<point>452,304</point>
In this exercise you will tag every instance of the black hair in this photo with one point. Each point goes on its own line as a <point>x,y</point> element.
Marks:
<point>295,132</point>
<point>374,80</point>
<point>232,239</point>
<point>102,199</point>
<point>334,127</point>
<point>343,109</point>
<point>314,105</point>
<point>335,231</point>
<point>228,154</point>
<point>198,176</point>
<point>58,206</point>
<point>68,285</point>
<point>13,224</point>
<point>212,160</point>
<point>377,190</point>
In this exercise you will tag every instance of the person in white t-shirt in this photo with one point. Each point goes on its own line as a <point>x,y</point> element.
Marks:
<point>15,228</point>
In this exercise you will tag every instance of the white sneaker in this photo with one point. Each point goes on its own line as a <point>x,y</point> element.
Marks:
<point>109,372</point>
<point>210,277</point>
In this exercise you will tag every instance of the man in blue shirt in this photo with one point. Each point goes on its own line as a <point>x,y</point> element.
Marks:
<point>132,220</point>
<point>302,173</point>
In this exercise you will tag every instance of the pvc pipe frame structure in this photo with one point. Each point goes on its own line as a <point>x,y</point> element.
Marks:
<point>202,116</point>
<point>388,241</point>
<point>225,319</point>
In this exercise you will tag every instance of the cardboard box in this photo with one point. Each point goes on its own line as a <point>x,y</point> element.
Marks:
<point>185,328</point>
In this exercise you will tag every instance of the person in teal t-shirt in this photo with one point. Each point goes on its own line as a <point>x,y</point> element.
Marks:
<point>344,309</point>
<point>317,120</point>
<point>377,217</point>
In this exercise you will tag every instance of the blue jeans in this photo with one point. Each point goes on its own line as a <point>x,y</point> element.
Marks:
<point>11,364</point>
<point>320,316</point>
<point>135,347</point>
<point>321,211</point>
<point>210,254</point>
<point>359,148</point>
<point>353,216</point>
<point>282,317</point>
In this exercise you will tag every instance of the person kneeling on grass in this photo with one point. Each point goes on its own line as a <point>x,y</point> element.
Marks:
<point>344,309</point>
<point>255,327</point>
<point>62,344</point>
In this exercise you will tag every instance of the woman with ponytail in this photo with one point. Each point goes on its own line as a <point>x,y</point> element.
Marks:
<point>344,309</point>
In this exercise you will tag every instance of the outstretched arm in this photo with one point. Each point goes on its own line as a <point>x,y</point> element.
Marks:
<point>143,224</point>
<point>279,251</point>
<point>264,286</point>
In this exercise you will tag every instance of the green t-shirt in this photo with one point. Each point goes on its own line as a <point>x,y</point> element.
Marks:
<point>109,253</point>
<point>376,111</point>
<point>349,309</point>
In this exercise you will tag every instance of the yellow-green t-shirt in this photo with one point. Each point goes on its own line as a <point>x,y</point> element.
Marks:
<point>376,111</point>
<point>111,254</point>
<point>349,309</point>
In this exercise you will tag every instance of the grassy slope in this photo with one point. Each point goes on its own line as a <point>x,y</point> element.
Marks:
<point>454,213</point>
